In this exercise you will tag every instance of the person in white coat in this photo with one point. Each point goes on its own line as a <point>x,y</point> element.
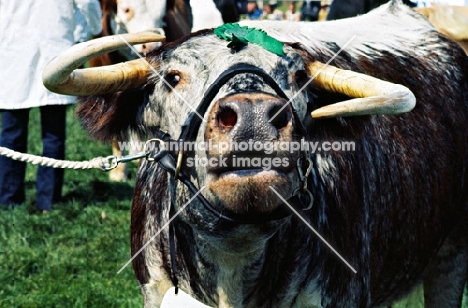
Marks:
<point>88,17</point>
<point>31,34</point>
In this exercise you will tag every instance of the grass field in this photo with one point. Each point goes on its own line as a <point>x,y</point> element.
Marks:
<point>70,257</point>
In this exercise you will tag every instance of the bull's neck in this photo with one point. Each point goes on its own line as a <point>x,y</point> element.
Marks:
<point>235,272</point>
<point>234,268</point>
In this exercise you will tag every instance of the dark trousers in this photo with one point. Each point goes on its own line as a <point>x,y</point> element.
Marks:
<point>15,136</point>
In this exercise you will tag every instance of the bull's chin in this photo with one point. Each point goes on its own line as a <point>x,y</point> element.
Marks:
<point>247,191</point>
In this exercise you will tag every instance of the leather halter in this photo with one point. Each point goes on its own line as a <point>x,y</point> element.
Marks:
<point>167,160</point>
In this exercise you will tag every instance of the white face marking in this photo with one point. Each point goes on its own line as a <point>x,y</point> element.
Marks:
<point>136,16</point>
<point>141,15</point>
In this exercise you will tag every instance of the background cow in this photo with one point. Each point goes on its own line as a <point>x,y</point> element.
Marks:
<point>449,20</point>
<point>173,18</point>
<point>395,208</point>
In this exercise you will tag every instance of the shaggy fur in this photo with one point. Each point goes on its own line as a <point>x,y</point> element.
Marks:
<point>395,208</point>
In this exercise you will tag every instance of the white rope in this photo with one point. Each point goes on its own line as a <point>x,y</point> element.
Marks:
<point>97,163</point>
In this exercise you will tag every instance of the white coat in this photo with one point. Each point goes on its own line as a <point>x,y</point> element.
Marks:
<point>87,20</point>
<point>32,33</point>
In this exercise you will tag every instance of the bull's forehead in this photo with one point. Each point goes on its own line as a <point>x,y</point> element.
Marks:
<point>210,55</point>
<point>199,61</point>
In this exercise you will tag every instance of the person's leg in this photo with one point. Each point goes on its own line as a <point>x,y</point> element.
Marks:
<point>14,136</point>
<point>50,180</point>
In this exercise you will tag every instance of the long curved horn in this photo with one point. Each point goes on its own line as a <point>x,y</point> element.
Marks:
<point>62,76</point>
<point>372,95</point>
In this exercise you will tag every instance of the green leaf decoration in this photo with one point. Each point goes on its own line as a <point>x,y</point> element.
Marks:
<point>262,39</point>
<point>239,36</point>
<point>237,42</point>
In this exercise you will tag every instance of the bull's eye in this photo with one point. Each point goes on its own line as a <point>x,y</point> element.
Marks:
<point>172,79</point>
<point>301,78</point>
<point>280,117</point>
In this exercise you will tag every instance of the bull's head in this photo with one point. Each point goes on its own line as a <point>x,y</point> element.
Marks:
<point>267,100</point>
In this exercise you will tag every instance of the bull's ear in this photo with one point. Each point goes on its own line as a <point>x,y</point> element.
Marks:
<point>112,115</point>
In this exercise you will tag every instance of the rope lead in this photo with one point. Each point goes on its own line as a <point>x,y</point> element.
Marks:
<point>95,163</point>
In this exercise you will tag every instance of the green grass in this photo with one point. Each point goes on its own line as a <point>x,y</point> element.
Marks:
<point>70,257</point>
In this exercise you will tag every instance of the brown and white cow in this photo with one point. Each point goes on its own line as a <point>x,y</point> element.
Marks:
<point>452,21</point>
<point>171,18</point>
<point>395,208</point>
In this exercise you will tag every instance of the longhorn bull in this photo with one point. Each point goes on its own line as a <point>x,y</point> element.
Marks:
<point>395,209</point>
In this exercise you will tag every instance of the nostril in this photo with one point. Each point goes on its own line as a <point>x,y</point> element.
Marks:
<point>227,118</point>
<point>279,116</point>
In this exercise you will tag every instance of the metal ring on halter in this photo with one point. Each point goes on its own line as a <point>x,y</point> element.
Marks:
<point>311,202</point>
<point>109,163</point>
<point>161,142</point>
<point>303,178</point>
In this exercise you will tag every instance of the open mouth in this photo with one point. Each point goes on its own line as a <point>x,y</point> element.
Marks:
<point>245,166</point>
<point>246,189</point>
<point>250,172</point>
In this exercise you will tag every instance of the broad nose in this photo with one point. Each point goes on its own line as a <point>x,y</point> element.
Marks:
<point>257,117</point>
